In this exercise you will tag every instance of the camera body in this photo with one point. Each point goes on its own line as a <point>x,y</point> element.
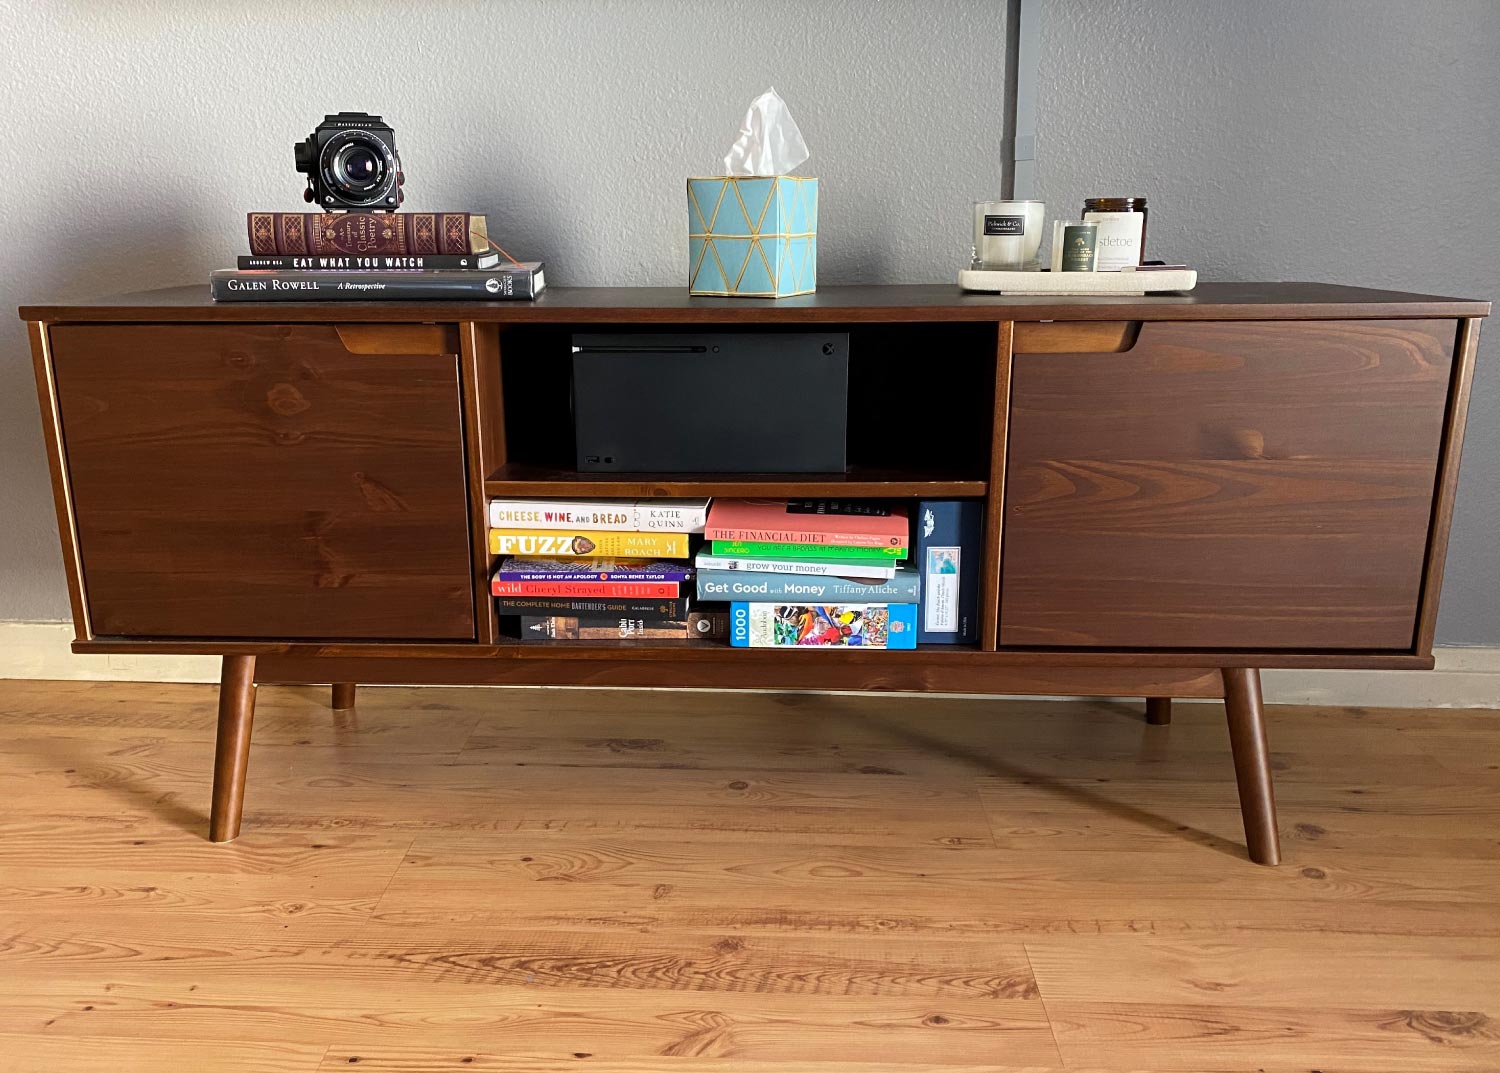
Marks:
<point>351,164</point>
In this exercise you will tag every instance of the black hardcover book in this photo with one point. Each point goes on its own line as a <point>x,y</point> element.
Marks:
<point>372,262</point>
<point>649,610</point>
<point>321,285</point>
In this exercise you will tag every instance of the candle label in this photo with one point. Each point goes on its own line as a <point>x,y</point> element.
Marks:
<point>1078,248</point>
<point>1119,239</point>
<point>1005,225</point>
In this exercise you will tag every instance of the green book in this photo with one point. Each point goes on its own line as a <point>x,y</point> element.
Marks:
<point>758,549</point>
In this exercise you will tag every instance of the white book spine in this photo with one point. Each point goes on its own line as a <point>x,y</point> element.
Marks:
<point>611,514</point>
<point>672,516</point>
<point>874,571</point>
<point>622,515</point>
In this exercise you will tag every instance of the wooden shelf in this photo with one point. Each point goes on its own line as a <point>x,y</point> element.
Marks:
<point>516,479</point>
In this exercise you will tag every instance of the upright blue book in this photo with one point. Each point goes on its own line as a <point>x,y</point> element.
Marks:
<point>948,537</point>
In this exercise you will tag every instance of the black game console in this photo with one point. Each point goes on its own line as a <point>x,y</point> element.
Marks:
<point>711,402</point>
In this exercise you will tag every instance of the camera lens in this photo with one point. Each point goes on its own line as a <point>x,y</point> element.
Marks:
<point>360,165</point>
<point>357,167</point>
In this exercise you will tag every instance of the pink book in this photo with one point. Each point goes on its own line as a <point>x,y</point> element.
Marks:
<point>855,522</point>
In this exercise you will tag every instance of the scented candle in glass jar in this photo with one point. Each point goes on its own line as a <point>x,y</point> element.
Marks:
<point>1008,234</point>
<point>1122,230</point>
<point>1074,246</point>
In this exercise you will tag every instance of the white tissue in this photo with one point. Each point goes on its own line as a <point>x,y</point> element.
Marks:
<point>769,141</point>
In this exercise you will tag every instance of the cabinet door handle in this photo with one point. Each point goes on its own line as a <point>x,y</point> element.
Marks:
<point>1075,336</point>
<point>398,338</point>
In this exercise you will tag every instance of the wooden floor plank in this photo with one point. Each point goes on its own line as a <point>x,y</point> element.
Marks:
<point>1384,972</point>
<point>520,1024</point>
<point>540,879</point>
<point>1251,1038</point>
<point>53,1052</point>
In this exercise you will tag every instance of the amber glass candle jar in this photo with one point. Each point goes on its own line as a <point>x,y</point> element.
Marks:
<point>1121,240</point>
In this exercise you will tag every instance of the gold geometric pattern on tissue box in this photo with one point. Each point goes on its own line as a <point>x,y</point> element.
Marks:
<point>753,236</point>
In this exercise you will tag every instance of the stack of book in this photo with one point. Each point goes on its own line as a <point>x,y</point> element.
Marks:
<point>599,569</point>
<point>811,573</point>
<point>321,257</point>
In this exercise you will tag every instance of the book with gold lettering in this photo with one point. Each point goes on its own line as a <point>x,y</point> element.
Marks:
<point>366,232</point>
<point>588,544</point>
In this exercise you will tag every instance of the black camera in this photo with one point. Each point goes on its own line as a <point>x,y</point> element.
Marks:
<point>351,164</point>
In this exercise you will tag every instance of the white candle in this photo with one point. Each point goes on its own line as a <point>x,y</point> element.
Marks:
<point>1008,234</point>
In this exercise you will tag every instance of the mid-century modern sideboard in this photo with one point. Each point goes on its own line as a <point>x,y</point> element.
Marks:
<point>1179,490</point>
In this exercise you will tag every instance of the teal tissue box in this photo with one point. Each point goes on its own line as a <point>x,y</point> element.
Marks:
<point>753,236</point>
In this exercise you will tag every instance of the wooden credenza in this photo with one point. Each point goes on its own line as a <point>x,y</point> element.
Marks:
<point>1179,490</point>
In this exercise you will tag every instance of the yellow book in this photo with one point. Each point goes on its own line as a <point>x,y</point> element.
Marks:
<point>588,544</point>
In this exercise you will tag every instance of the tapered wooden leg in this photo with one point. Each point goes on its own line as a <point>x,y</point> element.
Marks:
<point>232,753</point>
<point>1158,711</point>
<point>343,696</point>
<point>1252,763</point>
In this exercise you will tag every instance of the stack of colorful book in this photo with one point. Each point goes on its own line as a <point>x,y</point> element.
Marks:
<point>811,573</point>
<point>599,569</point>
<point>320,257</point>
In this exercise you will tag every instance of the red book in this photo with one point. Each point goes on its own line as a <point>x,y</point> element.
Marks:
<point>807,521</point>
<point>286,233</point>
<point>586,589</point>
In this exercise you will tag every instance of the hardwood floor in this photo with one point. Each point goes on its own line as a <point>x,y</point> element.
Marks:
<point>546,880</point>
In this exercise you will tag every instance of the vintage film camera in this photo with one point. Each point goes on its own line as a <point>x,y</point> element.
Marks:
<point>351,164</point>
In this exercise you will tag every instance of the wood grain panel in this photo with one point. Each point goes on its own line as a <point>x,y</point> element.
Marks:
<point>1075,337</point>
<point>261,481</point>
<point>1255,485</point>
<point>522,479</point>
<point>994,505</point>
<point>479,371</point>
<point>667,655</point>
<point>1467,350</point>
<point>731,672</point>
<point>62,497</point>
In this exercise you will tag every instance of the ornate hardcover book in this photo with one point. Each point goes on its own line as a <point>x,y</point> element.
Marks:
<point>366,233</point>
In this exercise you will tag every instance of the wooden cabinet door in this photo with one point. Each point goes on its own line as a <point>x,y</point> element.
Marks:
<point>1238,485</point>
<point>259,481</point>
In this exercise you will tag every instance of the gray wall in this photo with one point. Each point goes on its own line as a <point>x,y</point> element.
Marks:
<point>139,133</point>
<point>1351,142</point>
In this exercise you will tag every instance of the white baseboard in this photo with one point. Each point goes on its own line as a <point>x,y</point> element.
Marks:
<point>42,650</point>
<point>1464,677</point>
